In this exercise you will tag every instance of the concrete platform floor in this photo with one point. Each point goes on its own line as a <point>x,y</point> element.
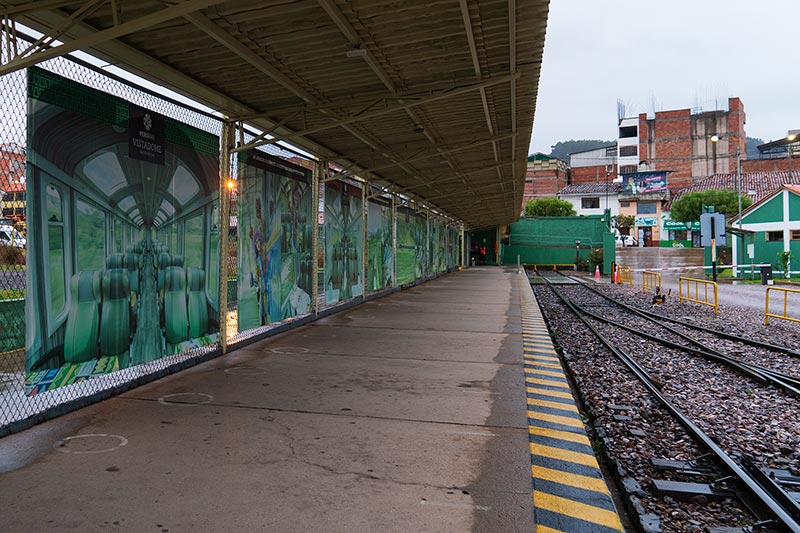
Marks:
<point>407,413</point>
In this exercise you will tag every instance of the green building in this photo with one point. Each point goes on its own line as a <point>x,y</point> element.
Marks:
<point>771,226</point>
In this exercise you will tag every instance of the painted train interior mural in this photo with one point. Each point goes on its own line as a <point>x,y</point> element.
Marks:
<point>124,237</point>
<point>123,234</point>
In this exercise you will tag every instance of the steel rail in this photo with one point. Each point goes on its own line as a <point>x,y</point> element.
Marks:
<point>751,342</point>
<point>785,382</point>
<point>774,504</point>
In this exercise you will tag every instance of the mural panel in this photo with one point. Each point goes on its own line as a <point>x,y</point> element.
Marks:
<point>275,225</point>
<point>379,239</point>
<point>123,219</point>
<point>343,242</point>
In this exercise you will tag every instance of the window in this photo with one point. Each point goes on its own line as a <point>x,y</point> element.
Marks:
<point>624,204</point>
<point>628,131</point>
<point>646,208</point>
<point>796,234</point>
<point>590,203</point>
<point>628,151</point>
<point>55,250</point>
<point>90,222</point>
<point>774,236</point>
<point>628,169</point>
<point>193,241</point>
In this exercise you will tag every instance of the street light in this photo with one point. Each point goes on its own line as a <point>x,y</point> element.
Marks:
<point>715,139</point>
<point>789,141</point>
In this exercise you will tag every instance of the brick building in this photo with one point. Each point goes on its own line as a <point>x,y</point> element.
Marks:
<point>593,166</point>
<point>681,141</point>
<point>545,176</point>
<point>12,182</point>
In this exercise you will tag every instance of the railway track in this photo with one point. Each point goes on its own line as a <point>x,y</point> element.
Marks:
<point>734,472</point>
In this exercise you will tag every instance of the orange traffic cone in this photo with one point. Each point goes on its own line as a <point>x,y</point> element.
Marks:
<point>597,272</point>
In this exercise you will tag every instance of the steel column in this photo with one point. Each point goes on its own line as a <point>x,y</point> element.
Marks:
<point>226,141</point>
<point>316,177</point>
<point>364,242</point>
<point>394,240</point>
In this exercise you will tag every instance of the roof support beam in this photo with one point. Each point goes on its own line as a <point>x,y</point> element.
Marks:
<point>352,36</point>
<point>93,39</point>
<point>392,109</point>
<point>473,51</point>
<point>429,155</point>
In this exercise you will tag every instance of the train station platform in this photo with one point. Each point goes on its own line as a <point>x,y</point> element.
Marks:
<point>419,411</point>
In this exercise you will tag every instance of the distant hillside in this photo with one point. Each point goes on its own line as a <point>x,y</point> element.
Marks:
<point>752,146</point>
<point>562,149</point>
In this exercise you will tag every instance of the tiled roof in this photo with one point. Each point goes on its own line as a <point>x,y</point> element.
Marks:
<point>762,183</point>
<point>590,188</point>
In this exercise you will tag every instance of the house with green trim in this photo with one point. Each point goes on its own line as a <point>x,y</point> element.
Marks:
<point>775,225</point>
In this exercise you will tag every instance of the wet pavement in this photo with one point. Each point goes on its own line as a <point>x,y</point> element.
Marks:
<point>688,262</point>
<point>407,413</point>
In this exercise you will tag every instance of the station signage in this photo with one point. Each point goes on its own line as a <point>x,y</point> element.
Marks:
<point>145,135</point>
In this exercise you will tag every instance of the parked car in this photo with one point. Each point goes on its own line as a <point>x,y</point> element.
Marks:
<point>11,237</point>
<point>626,240</point>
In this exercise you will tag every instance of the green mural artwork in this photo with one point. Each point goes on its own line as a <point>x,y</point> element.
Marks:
<point>406,246</point>
<point>421,247</point>
<point>379,241</point>
<point>343,242</point>
<point>123,220</point>
<point>275,222</point>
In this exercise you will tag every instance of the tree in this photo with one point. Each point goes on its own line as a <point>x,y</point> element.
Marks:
<point>562,149</point>
<point>623,221</point>
<point>688,207</point>
<point>549,207</point>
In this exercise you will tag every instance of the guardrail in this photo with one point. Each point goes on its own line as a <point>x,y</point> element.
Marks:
<point>625,275</point>
<point>785,315</point>
<point>696,298</point>
<point>650,280</point>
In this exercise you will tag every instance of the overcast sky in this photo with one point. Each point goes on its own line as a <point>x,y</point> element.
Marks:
<point>674,54</point>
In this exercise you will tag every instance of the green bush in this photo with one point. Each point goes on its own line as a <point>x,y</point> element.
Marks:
<point>595,258</point>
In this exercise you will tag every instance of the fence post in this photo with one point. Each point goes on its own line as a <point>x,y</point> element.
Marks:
<point>364,243</point>
<point>316,175</point>
<point>226,140</point>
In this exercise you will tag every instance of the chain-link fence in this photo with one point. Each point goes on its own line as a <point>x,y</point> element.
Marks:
<point>111,269</point>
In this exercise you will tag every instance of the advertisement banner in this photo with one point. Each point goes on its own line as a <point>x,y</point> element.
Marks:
<point>379,242</point>
<point>123,240</point>
<point>644,183</point>
<point>645,221</point>
<point>275,225</point>
<point>343,242</point>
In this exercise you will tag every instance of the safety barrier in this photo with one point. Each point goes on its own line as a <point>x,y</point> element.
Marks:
<point>626,275</point>
<point>650,280</point>
<point>785,315</point>
<point>696,299</point>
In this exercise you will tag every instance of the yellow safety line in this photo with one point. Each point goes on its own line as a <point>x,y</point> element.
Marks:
<point>536,381</point>
<point>547,392</point>
<point>579,438</point>
<point>570,421</point>
<point>586,459</point>
<point>570,479</point>
<point>545,529</point>
<point>578,510</point>
<point>553,405</point>
<point>544,372</point>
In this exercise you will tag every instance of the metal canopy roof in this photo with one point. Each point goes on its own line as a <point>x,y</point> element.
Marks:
<point>434,98</point>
